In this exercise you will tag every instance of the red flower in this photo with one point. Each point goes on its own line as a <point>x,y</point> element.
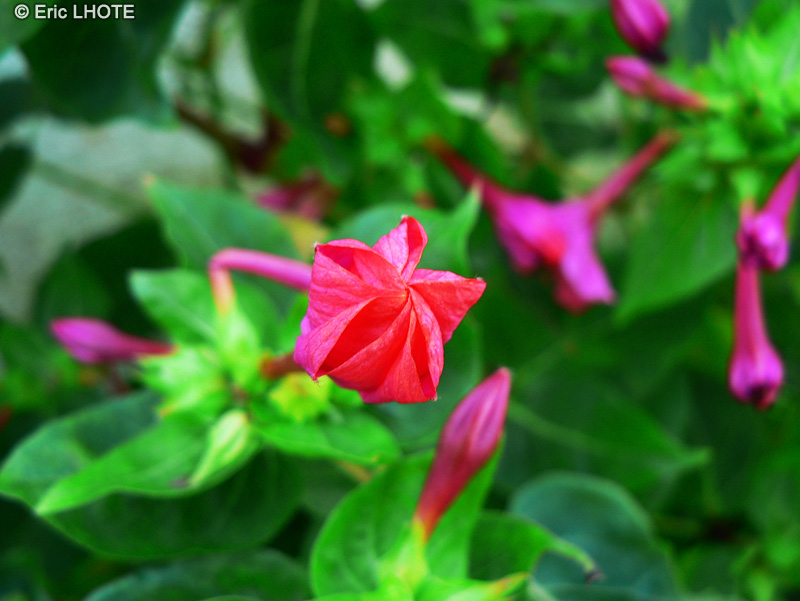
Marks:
<point>468,440</point>
<point>95,341</point>
<point>375,322</point>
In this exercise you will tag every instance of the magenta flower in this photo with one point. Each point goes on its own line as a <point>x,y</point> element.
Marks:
<point>762,238</point>
<point>294,274</point>
<point>636,78</point>
<point>755,372</point>
<point>95,341</point>
<point>559,237</point>
<point>468,440</point>
<point>643,24</point>
<point>376,323</point>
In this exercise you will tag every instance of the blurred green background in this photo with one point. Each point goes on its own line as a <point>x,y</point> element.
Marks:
<point>129,145</point>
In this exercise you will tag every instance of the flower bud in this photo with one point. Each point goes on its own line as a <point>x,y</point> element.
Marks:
<point>762,238</point>
<point>468,440</point>
<point>636,78</point>
<point>755,372</point>
<point>643,24</point>
<point>294,274</point>
<point>95,341</point>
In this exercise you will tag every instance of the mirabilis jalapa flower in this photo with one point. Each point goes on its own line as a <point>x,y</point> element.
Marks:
<point>762,238</point>
<point>643,24</point>
<point>637,78</point>
<point>376,323</point>
<point>755,372</point>
<point>560,237</point>
<point>95,341</point>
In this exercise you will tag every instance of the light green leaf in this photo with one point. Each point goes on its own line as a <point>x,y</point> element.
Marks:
<point>349,436</point>
<point>368,522</point>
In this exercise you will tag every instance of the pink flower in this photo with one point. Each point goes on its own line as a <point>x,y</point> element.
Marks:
<point>95,341</point>
<point>762,237</point>
<point>310,198</point>
<point>291,273</point>
<point>468,440</point>
<point>376,323</point>
<point>755,372</point>
<point>559,237</point>
<point>636,78</point>
<point>643,24</point>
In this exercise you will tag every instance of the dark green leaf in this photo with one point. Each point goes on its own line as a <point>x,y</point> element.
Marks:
<point>260,576</point>
<point>303,63</point>
<point>245,510</point>
<point>439,35</point>
<point>605,521</point>
<point>504,544</point>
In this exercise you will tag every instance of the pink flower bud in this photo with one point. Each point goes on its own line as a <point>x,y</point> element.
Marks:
<point>559,237</point>
<point>468,440</point>
<point>376,323</point>
<point>762,238</point>
<point>643,24</point>
<point>636,78</point>
<point>294,274</point>
<point>95,341</point>
<point>755,372</point>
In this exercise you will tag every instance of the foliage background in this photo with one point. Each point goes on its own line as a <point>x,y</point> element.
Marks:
<point>140,145</point>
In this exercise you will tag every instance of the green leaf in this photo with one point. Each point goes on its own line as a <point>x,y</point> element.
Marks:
<point>573,420</point>
<point>686,246</point>
<point>157,462</point>
<point>121,78</point>
<point>62,447</point>
<point>133,452</point>
<point>255,575</point>
<point>179,300</point>
<point>348,436</point>
<point>241,512</point>
<point>448,233</point>
<point>303,64</point>
<point>504,544</point>
<point>605,521</point>
<point>370,520</point>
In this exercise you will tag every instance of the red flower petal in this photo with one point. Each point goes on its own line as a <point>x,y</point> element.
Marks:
<point>449,296</point>
<point>402,383</point>
<point>403,246</point>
